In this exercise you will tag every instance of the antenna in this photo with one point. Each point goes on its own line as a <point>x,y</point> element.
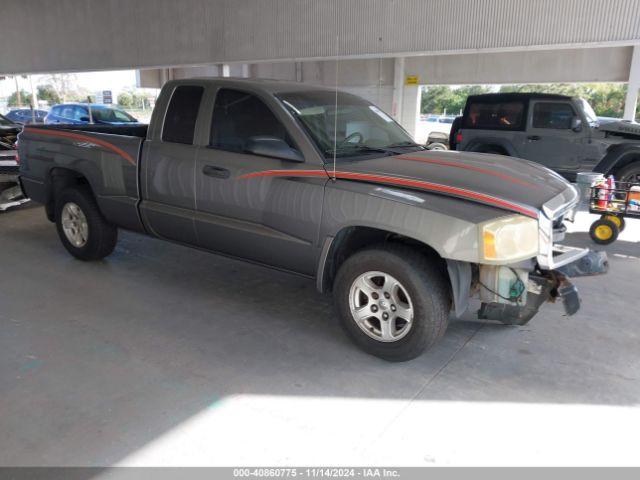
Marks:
<point>89,108</point>
<point>335,112</point>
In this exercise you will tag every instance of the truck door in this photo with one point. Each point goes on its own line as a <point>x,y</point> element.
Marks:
<point>550,139</point>
<point>271,219</point>
<point>168,167</point>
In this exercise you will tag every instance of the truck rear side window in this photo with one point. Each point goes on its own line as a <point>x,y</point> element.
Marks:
<point>552,115</point>
<point>182,114</point>
<point>239,116</point>
<point>495,116</point>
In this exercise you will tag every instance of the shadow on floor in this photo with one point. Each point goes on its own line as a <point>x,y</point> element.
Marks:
<point>98,359</point>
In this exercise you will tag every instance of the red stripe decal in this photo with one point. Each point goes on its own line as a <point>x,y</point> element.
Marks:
<point>467,167</point>
<point>82,138</point>
<point>286,173</point>
<point>428,186</point>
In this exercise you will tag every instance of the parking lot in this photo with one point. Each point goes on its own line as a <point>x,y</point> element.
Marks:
<point>163,355</point>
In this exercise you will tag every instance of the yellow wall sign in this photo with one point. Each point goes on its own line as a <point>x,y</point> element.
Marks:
<point>412,80</point>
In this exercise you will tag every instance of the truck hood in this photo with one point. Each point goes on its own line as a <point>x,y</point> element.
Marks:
<point>620,127</point>
<point>504,182</point>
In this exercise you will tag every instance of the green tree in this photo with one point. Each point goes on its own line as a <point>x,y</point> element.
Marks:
<point>25,99</point>
<point>49,94</point>
<point>441,98</point>
<point>125,100</point>
<point>607,99</point>
<point>141,99</point>
<point>433,98</point>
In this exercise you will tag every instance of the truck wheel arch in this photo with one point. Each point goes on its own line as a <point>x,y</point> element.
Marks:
<point>490,145</point>
<point>336,249</point>
<point>58,179</point>
<point>489,148</point>
<point>618,157</point>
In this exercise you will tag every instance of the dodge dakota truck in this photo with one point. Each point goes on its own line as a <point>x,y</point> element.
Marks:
<point>322,184</point>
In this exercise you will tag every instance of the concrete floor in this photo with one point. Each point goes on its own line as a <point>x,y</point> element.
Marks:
<point>162,355</point>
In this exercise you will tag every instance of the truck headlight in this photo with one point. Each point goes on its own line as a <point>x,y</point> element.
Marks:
<point>509,239</point>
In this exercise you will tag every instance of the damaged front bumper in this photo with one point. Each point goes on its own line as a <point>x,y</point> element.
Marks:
<point>547,286</point>
<point>555,265</point>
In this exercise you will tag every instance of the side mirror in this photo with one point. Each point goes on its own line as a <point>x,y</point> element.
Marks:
<point>576,124</point>
<point>272,147</point>
<point>84,119</point>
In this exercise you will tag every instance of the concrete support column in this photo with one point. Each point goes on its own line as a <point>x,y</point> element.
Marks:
<point>299,71</point>
<point>398,88</point>
<point>631,101</point>
<point>411,97</point>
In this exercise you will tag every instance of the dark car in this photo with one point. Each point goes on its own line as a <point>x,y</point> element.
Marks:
<point>10,192</point>
<point>24,116</point>
<point>78,114</point>
<point>560,132</point>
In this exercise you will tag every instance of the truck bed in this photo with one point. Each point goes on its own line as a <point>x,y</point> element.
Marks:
<point>105,156</point>
<point>136,130</point>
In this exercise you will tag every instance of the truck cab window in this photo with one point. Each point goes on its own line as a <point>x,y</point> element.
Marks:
<point>182,114</point>
<point>239,116</point>
<point>495,116</point>
<point>554,115</point>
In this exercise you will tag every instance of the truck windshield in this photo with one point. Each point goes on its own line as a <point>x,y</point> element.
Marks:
<point>592,118</point>
<point>360,128</point>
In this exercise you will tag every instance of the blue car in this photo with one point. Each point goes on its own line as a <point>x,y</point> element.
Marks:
<point>24,116</point>
<point>78,114</point>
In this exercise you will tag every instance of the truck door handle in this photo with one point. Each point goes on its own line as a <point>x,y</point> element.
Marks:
<point>218,172</point>
<point>534,138</point>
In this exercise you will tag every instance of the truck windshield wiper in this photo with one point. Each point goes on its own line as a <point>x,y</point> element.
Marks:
<point>345,150</point>
<point>404,144</point>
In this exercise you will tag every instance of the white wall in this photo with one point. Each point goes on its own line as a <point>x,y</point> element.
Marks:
<point>610,64</point>
<point>373,79</point>
<point>80,35</point>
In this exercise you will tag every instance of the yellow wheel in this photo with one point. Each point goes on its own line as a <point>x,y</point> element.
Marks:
<point>604,231</point>
<point>619,221</point>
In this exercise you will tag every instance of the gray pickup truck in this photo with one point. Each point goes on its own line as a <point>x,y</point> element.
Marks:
<point>275,173</point>
<point>562,133</point>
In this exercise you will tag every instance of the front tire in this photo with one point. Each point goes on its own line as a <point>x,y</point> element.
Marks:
<point>393,301</point>
<point>83,230</point>
<point>630,173</point>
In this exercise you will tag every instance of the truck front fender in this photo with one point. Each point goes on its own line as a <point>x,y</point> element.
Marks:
<point>350,240</point>
<point>618,156</point>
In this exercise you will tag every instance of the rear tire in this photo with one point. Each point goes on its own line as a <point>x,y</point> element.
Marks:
<point>405,312</point>
<point>83,230</point>
<point>437,146</point>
